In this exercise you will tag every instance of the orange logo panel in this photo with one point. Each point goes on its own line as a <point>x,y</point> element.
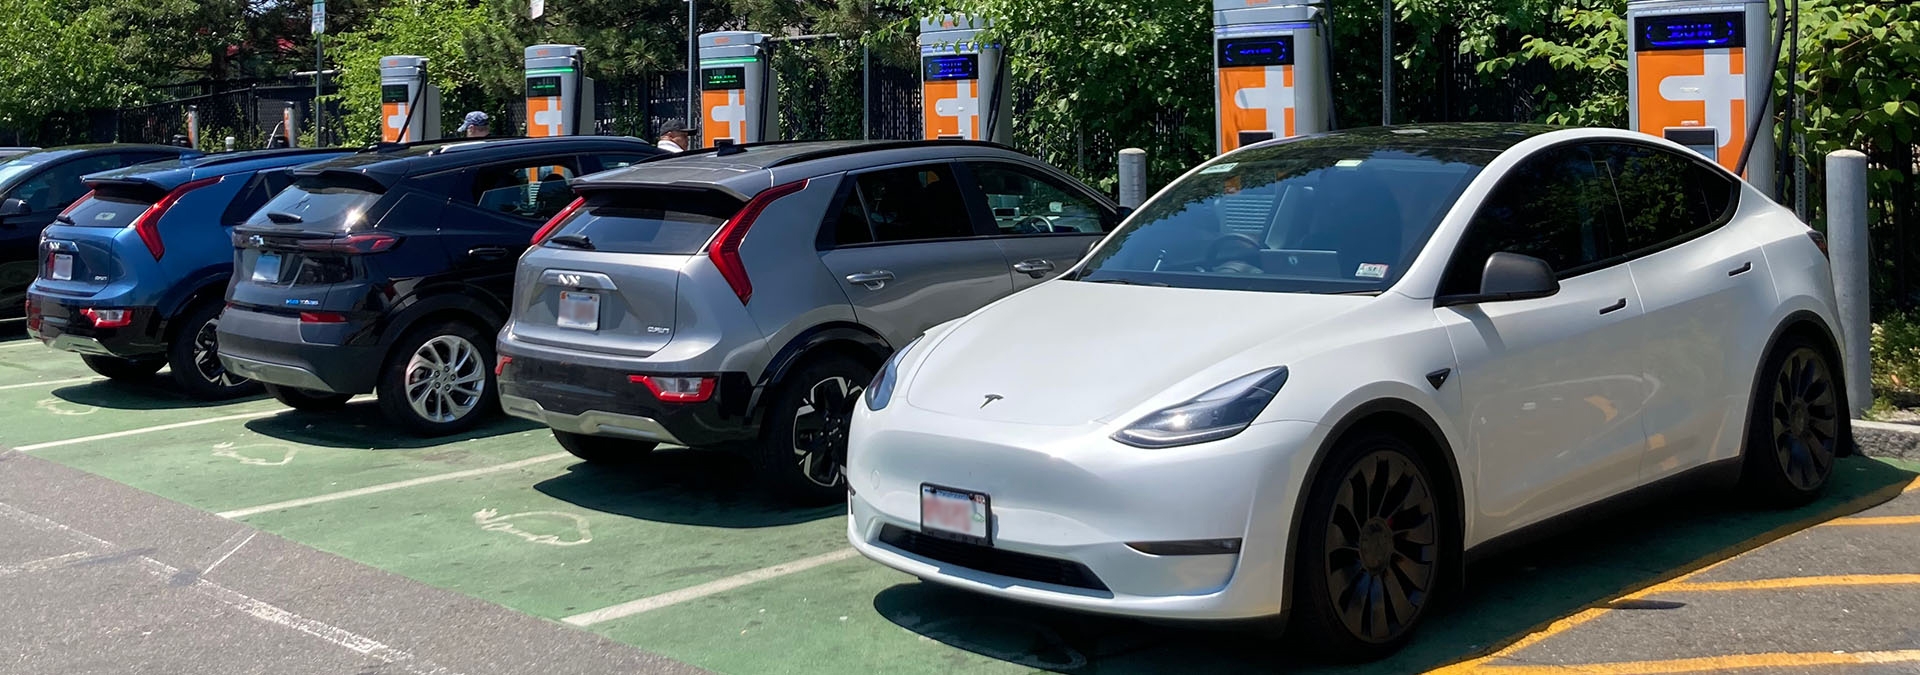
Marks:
<point>951,108</point>
<point>1248,102</point>
<point>392,117</point>
<point>1695,88</point>
<point>723,114</point>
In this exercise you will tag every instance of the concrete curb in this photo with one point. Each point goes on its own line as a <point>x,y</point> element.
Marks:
<point>1881,439</point>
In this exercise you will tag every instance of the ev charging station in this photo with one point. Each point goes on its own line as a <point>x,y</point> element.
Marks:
<point>1688,79</point>
<point>559,93</point>
<point>1270,65</point>
<point>409,102</point>
<point>963,82</point>
<point>738,101</point>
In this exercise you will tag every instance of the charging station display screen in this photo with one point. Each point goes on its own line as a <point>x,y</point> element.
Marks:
<point>955,67</point>
<point>1272,50</point>
<point>724,78</point>
<point>393,93</point>
<point>1690,31</point>
<point>538,87</point>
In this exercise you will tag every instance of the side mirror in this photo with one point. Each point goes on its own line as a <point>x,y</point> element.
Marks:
<point>14,206</point>
<point>1509,276</point>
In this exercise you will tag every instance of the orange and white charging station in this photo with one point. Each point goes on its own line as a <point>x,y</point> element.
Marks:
<point>738,101</point>
<point>963,82</point>
<point>1696,72</point>
<point>559,93</point>
<point>409,103</point>
<point>1270,65</point>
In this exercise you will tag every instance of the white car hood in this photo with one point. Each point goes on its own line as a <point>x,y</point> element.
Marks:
<point>1069,353</point>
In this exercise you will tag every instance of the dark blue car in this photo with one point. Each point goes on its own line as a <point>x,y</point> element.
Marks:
<point>133,275</point>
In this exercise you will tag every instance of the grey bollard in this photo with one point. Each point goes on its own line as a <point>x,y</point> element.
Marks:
<point>1847,242</point>
<point>1133,177</point>
<point>230,141</point>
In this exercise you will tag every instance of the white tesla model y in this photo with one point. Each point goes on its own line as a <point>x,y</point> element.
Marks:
<point>1310,374</point>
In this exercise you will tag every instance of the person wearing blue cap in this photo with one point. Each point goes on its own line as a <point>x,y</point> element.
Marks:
<point>474,125</point>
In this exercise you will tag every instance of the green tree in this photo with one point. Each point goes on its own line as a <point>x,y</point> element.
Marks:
<point>460,40</point>
<point>59,67</point>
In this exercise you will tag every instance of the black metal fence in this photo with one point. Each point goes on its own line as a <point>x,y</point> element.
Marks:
<point>252,116</point>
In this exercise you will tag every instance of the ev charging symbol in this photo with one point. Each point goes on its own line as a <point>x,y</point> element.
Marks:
<point>964,106</point>
<point>1275,97</point>
<point>734,115</point>
<point>1717,87</point>
<point>398,121</point>
<point>549,118</point>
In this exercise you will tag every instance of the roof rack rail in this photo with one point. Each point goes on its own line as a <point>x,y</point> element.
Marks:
<point>735,149</point>
<point>877,146</point>
<point>250,155</point>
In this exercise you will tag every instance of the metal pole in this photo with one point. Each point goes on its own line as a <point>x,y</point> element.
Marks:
<point>319,72</point>
<point>693,66</point>
<point>1386,62</point>
<point>1800,206</point>
<point>866,93</point>
<point>1133,177</point>
<point>1847,242</point>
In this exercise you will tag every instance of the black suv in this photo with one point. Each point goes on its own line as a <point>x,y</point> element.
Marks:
<point>390,270</point>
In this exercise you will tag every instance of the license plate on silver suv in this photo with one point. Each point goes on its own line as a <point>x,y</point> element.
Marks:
<point>579,310</point>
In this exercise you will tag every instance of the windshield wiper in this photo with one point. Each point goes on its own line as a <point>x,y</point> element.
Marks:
<point>1124,282</point>
<point>579,241</point>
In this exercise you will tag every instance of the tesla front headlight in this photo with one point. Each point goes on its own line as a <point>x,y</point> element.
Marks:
<point>1219,413</point>
<point>881,391</point>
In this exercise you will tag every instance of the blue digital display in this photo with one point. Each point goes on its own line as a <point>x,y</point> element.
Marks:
<point>1718,30</point>
<point>953,67</point>
<point>1271,50</point>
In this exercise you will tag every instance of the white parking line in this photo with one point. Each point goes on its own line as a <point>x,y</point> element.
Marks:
<point>43,564</point>
<point>383,487</point>
<point>49,383</point>
<point>136,432</point>
<point>650,603</point>
<point>22,343</point>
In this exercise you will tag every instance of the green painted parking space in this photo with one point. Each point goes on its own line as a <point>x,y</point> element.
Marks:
<point>59,400</point>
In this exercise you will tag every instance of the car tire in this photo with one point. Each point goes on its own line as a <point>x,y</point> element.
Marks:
<point>603,449</point>
<point>438,380</point>
<point>116,368</point>
<point>1363,584</point>
<point>1797,425</point>
<point>194,357</point>
<point>307,399</point>
<point>803,444</point>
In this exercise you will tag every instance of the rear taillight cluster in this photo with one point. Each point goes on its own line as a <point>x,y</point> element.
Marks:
<point>725,250</point>
<point>148,224</point>
<point>1819,240</point>
<point>353,243</point>
<point>558,218</point>
<point>676,389</point>
<point>108,318</point>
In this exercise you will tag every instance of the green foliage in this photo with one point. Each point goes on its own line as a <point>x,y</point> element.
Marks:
<point>447,32</point>
<point>1895,349</point>
<point>57,63</point>
<point>1586,44</point>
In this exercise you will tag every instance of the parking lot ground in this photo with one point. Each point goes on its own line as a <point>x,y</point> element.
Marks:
<point>680,556</point>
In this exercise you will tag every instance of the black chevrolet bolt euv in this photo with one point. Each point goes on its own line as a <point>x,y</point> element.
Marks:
<point>389,270</point>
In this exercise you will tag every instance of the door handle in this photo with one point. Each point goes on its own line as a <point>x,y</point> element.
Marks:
<point>1742,269</point>
<point>1035,268</point>
<point>1615,307</point>
<point>487,252</point>
<point>874,280</point>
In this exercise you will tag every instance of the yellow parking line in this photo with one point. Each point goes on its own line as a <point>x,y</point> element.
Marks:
<point>1877,520</point>
<point>1709,562</point>
<point>1715,663</point>
<point>1796,582</point>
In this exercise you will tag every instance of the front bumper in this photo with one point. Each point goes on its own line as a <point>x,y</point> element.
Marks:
<point>58,323</point>
<point>280,350</point>
<point>1067,498</point>
<point>583,397</point>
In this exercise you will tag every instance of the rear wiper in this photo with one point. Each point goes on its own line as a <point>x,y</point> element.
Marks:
<point>63,219</point>
<point>579,241</point>
<point>285,218</point>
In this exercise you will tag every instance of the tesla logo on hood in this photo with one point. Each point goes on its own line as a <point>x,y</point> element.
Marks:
<point>991,398</point>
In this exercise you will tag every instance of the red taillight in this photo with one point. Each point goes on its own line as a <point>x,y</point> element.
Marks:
<point>322,317</point>
<point>148,225</point>
<point>108,318</point>
<point>1820,240</point>
<point>725,251</point>
<point>676,389</point>
<point>64,213</point>
<point>554,222</point>
<point>500,365</point>
<point>354,243</point>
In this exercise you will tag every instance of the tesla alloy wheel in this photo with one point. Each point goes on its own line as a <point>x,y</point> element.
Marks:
<point>1799,425</point>
<point>1370,549</point>
<point>804,447</point>
<point>440,381</point>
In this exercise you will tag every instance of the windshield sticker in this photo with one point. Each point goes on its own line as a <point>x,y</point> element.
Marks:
<point>1371,271</point>
<point>1347,163</point>
<point>1222,167</point>
<point>105,216</point>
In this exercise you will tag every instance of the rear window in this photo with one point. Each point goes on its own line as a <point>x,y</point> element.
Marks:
<point>650,221</point>
<point>315,206</point>
<point>108,209</point>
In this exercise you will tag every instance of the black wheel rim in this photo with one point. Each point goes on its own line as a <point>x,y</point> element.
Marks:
<point>206,356</point>
<point>1381,547</point>
<point>820,429</point>
<point>1806,419</point>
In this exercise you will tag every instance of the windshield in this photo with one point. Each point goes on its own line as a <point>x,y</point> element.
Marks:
<point>1301,217</point>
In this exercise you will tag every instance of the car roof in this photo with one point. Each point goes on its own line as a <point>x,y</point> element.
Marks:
<point>1489,136</point>
<point>170,173</point>
<point>744,170</point>
<point>67,151</point>
<point>387,163</point>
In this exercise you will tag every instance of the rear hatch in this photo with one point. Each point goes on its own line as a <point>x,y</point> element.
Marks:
<point>304,250</point>
<point>85,244</point>
<point>605,277</point>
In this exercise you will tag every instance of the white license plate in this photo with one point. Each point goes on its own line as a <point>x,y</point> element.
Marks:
<point>62,267</point>
<point>956,514</point>
<point>267,269</point>
<point>579,310</point>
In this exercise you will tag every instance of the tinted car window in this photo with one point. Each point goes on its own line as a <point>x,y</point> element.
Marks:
<point>314,205</point>
<point>1024,202</point>
<point>848,225</point>
<point>109,208</point>
<point>260,188</point>
<point>1664,196</point>
<point>1307,217</point>
<point>533,190</point>
<point>912,203</point>
<point>650,221</point>
<point>59,186</point>
<point>1557,205</point>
